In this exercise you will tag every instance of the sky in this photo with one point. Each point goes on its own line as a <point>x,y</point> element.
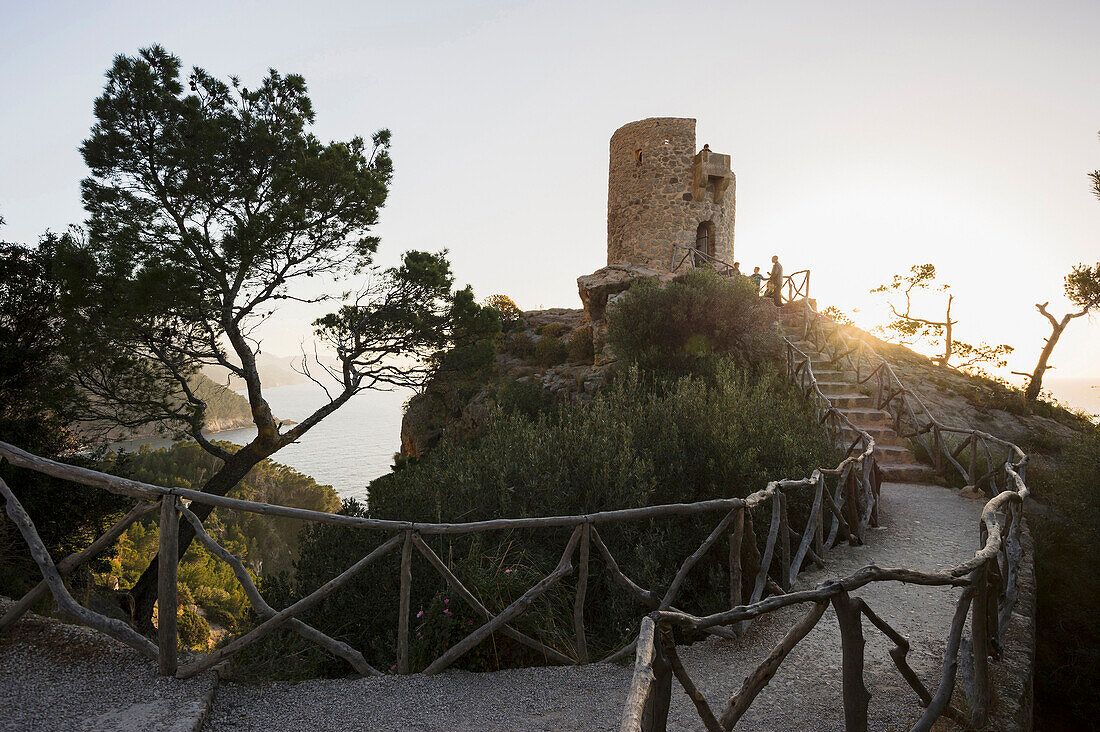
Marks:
<point>866,137</point>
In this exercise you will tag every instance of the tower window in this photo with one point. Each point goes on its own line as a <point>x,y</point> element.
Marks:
<point>638,155</point>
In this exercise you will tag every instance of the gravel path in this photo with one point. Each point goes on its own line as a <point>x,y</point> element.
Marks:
<point>924,527</point>
<point>55,676</point>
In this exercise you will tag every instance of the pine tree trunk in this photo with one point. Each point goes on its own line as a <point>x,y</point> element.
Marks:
<point>1035,384</point>
<point>144,591</point>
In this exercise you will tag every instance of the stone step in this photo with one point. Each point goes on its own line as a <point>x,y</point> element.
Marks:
<point>821,363</point>
<point>851,400</point>
<point>905,473</point>
<point>836,388</point>
<point>868,417</point>
<point>895,455</point>
<point>882,436</point>
<point>834,376</point>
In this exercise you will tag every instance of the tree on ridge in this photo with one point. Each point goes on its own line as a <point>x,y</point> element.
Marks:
<point>1082,288</point>
<point>911,328</point>
<point>204,207</point>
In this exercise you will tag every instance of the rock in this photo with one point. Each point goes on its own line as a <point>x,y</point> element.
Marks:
<point>600,346</point>
<point>596,288</point>
<point>570,317</point>
<point>476,413</point>
<point>972,492</point>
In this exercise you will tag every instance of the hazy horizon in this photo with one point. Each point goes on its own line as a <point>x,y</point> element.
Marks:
<point>865,138</point>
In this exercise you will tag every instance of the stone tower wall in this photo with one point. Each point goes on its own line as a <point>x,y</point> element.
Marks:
<point>650,204</point>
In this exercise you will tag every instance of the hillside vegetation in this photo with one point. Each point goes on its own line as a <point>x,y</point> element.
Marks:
<point>716,419</point>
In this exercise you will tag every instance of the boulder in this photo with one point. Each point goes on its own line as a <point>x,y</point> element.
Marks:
<point>973,493</point>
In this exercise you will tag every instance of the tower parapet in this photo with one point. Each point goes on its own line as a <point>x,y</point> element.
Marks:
<point>662,193</point>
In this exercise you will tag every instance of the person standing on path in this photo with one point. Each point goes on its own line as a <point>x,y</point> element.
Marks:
<point>775,282</point>
<point>757,279</point>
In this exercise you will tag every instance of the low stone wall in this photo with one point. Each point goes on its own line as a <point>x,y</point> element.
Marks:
<point>1013,676</point>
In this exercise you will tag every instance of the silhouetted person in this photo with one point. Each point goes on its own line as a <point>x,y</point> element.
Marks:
<point>775,282</point>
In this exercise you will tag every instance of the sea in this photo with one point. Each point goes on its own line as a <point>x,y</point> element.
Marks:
<point>347,449</point>
<point>1082,394</point>
<point>356,443</point>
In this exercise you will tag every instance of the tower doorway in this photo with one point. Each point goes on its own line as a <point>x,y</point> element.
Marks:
<point>704,238</point>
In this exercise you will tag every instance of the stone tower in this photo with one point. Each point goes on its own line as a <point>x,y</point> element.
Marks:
<point>662,194</point>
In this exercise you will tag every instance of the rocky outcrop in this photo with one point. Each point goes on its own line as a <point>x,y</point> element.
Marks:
<point>454,405</point>
<point>599,291</point>
<point>596,288</point>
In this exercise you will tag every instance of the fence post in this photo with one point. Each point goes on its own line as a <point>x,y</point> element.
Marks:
<point>167,566</point>
<point>784,543</point>
<point>735,558</point>
<point>973,459</point>
<point>819,519</point>
<point>403,605</point>
<point>578,601</point>
<point>750,564</point>
<point>655,713</point>
<point>979,627</point>
<point>854,691</point>
<point>937,445</point>
<point>855,536</point>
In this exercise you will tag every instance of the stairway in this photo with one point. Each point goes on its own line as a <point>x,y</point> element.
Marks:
<point>892,453</point>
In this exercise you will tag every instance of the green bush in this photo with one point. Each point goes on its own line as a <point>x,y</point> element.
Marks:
<point>194,631</point>
<point>553,330</point>
<point>692,324</point>
<point>550,351</point>
<point>520,345</point>
<point>631,445</point>
<point>511,317</point>
<point>528,397</point>
<point>1068,587</point>
<point>580,347</point>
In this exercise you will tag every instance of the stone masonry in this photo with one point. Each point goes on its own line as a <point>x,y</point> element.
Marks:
<point>662,192</point>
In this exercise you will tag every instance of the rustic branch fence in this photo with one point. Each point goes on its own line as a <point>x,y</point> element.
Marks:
<point>750,573</point>
<point>688,257</point>
<point>988,580</point>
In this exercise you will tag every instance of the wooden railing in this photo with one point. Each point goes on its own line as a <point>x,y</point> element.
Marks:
<point>795,286</point>
<point>686,257</point>
<point>946,446</point>
<point>988,580</point>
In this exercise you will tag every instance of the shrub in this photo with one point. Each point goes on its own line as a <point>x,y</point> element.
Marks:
<point>194,631</point>
<point>554,330</point>
<point>549,351</point>
<point>511,317</point>
<point>520,345</point>
<point>690,325</point>
<point>580,346</point>
<point>529,398</point>
<point>1068,587</point>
